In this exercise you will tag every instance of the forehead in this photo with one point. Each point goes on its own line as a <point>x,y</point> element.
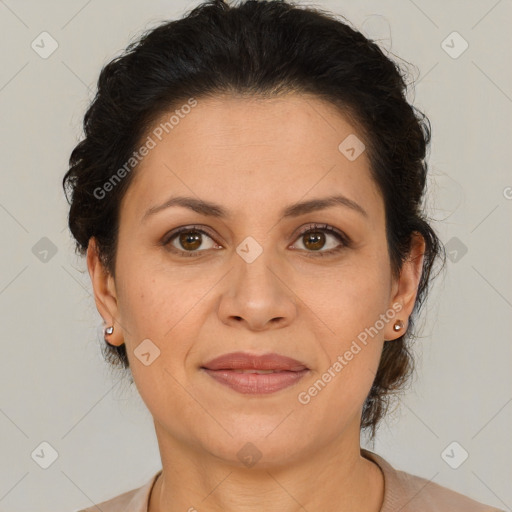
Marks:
<point>252,152</point>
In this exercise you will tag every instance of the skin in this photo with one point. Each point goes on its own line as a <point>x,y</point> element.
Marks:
<point>242,154</point>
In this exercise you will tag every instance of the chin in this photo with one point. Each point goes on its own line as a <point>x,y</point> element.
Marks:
<point>265,449</point>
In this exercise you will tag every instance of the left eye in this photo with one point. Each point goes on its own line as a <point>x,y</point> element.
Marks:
<point>315,236</point>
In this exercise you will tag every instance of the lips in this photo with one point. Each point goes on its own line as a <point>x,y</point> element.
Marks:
<point>245,362</point>
<point>251,374</point>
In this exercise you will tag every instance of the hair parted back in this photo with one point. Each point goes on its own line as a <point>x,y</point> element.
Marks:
<point>264,49</point>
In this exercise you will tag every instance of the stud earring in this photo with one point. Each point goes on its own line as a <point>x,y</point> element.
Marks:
<point>398,325</point>
<point>108,330</point>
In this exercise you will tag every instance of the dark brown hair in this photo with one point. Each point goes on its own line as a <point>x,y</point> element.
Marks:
<point>261,48</point>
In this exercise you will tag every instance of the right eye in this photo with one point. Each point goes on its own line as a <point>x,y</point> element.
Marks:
<point>189,238</point>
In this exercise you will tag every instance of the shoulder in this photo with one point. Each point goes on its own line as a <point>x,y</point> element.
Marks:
<point>135,500</point>
<point>406,492</point>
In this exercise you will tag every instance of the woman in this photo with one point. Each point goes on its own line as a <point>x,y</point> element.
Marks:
<point>248,195</point>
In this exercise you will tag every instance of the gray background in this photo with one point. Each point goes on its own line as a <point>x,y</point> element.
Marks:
<point>56,387</point>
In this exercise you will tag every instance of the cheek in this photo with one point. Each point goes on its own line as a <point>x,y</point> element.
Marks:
<point>348,298</point>
<point>352,304</point>
<point>337,390</point>
<point>152,299</point>
<point>161,312</point>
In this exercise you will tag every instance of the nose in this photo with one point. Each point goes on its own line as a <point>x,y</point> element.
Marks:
<point>258,293</point>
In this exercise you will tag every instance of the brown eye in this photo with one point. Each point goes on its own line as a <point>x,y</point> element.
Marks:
<point>187,241</point>
<point>314,240</point>
<point>316,237</point>
<point>190,240</point>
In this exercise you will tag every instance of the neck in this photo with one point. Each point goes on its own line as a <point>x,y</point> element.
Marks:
<point>335,477</point>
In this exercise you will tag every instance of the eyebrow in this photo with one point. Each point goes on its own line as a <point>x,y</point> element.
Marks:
<point>214,210</point>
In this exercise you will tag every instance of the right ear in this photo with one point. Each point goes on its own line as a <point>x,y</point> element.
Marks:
<point>104,291</point>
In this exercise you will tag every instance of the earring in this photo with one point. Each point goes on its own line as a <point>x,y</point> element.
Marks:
<point>398,325</point>
<point>108,330</point>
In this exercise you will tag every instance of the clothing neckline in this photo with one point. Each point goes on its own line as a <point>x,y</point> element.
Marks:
<point>150,486</point>
<point>392,484</point>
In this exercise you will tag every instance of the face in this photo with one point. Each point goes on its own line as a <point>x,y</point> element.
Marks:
<point>312,284</point>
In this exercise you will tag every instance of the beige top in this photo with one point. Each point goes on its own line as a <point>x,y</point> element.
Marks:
<point>402,492</point>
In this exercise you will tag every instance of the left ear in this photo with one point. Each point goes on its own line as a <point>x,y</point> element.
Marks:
<point>405,288</point>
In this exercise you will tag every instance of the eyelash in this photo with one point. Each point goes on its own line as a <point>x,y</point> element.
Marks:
<point>345,240</point>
